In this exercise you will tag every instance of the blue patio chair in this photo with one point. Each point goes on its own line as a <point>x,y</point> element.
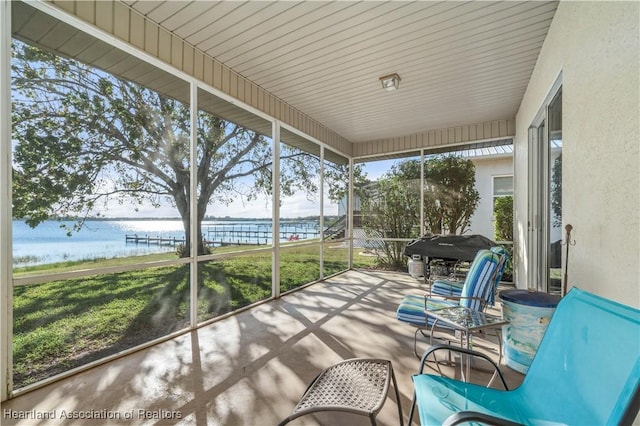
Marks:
<point>586,371</point>
<point>477,290</point>
<point>448,287</point>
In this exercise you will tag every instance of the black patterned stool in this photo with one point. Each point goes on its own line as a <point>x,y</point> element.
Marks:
<point>358,386</point>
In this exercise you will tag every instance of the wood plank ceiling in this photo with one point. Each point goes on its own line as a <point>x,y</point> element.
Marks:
<point>460,62</point>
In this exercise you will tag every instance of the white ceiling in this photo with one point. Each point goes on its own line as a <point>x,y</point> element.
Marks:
<point>460,62</point>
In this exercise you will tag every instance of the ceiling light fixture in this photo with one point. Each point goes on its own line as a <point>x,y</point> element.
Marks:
<point>390,82</point>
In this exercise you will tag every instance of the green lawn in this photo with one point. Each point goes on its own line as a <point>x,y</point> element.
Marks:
<point>63,324</point>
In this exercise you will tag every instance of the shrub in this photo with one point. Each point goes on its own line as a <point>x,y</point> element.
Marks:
<point>503,212</point>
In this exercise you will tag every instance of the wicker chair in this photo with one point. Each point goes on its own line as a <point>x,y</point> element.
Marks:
<point>357,386</point>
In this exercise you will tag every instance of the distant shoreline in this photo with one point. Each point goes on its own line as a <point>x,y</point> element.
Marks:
<point>206,219</point>
<point>56,240</point>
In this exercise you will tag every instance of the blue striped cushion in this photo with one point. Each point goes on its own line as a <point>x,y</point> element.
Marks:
<point>501,251</point>
<point>454,288</point>
<point>411,309</point>
<point>480,279</point>
<point>447,287</point>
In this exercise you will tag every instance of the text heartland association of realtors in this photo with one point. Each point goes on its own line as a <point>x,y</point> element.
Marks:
<point>139,414</point>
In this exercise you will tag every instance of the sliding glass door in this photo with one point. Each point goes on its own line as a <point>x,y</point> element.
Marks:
<point>544,243</point>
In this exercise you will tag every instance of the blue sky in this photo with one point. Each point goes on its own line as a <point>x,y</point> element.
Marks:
<point>295,206</point>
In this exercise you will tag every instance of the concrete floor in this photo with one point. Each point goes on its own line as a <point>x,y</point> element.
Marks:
<point>249,369</point>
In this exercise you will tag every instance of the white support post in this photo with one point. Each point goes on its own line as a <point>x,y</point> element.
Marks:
<point>321,222</point>
<point>6,238</point>
<point>421,227</point>
<point>193,205</point>
<point>275,213</point>
<point>350,213</point>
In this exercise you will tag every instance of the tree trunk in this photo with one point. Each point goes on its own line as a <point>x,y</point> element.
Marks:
<point>183,205</point>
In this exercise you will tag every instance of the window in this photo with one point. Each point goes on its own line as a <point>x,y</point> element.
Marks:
<point>502,186</point>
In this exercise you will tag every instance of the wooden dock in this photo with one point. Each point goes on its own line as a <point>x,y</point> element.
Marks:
<point>262,232</point>
<point>174,242</point>
<point>148,240</point>
<point>236,234</point>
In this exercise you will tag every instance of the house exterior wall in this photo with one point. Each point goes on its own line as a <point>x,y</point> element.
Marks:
<point>482,220</point>
<point>595,45</point>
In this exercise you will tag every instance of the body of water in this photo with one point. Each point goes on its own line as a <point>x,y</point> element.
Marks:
<point>49,243</point>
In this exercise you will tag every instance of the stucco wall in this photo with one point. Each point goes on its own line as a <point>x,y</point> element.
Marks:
<point>486,169</point>
<point>596,47</point>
